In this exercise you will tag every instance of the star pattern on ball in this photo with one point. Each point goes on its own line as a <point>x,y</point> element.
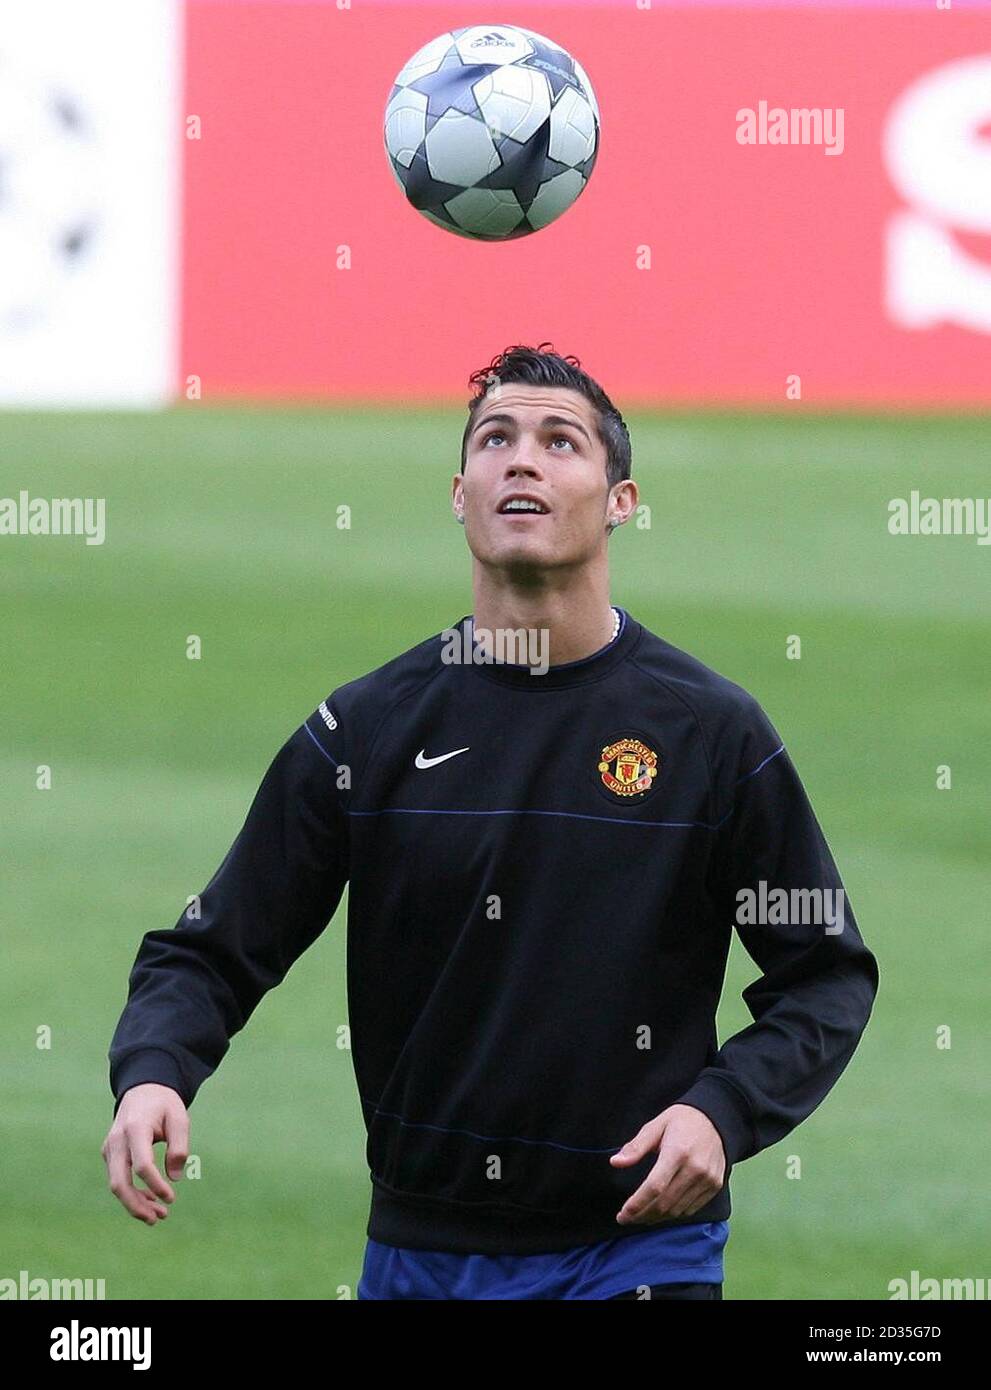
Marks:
<point>524,168</point>
<point>492,149</point>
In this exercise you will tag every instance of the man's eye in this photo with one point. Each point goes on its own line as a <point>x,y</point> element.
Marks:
<point>499,434</point>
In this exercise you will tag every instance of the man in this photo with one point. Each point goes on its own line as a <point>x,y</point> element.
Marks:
<point>546,857</point>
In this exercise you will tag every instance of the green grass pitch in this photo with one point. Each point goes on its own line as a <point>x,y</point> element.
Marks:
<point>223,523</point>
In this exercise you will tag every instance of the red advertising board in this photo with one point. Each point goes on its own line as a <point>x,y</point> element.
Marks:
<point>696,267</point>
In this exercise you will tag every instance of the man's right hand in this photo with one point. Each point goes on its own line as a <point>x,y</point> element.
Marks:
<point>148,1114</point>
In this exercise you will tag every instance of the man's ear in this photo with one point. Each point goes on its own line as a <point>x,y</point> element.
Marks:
<point>458,498</point>
<point>621,504</point>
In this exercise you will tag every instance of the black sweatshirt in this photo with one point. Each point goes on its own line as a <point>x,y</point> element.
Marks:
<point>543,878</point>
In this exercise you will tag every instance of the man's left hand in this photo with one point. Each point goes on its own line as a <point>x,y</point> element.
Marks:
<point>689,1171</point>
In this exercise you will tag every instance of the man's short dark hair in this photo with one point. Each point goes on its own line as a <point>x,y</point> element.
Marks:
<point>527,366</point>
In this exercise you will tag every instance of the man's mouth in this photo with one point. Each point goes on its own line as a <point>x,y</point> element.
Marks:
<point>522,506</point>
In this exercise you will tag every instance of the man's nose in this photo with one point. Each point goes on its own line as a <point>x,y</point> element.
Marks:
<point>525,460</point>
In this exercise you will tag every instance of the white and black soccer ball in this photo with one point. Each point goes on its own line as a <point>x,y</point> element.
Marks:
<point>492,131</point>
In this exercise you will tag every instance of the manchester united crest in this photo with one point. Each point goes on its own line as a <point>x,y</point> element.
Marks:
<point>628,767</point>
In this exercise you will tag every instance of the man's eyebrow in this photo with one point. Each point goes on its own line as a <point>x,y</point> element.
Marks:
<point>505,419</point>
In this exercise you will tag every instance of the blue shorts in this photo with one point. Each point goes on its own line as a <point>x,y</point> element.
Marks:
<point>668,1258</point>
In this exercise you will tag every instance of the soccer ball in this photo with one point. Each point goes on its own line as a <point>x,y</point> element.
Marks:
<point>492,131</point>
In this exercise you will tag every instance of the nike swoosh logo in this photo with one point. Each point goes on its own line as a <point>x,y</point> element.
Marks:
<point>422,760</point>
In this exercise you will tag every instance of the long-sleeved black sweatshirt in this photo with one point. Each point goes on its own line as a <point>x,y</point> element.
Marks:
<point>544,875</point>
